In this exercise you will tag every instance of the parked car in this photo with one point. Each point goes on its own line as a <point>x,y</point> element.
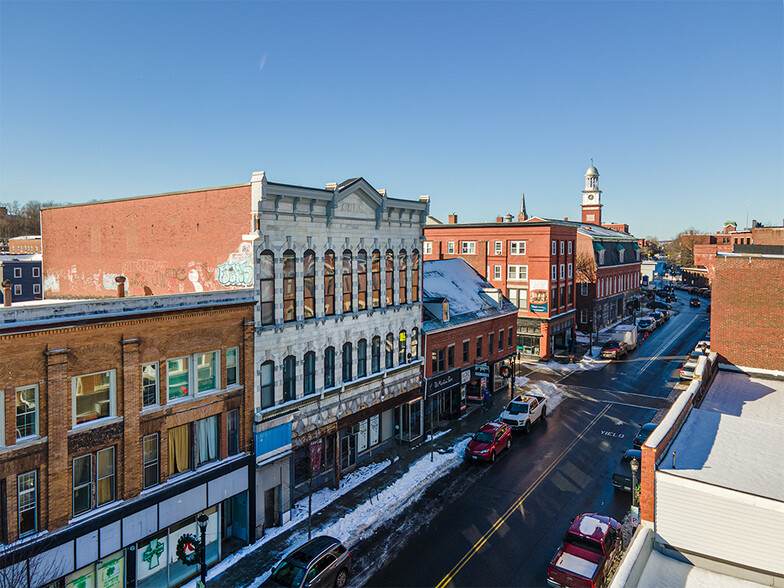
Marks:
<point>322,561</point>
<point>523,411</point>
<point>622,476</point>
<point>694,302</point>
<point>587,552</point>
<point>672,298</point>
<point>646,324</point>
<point>658,317</point>
<point>489,441</point>
<point>643,434</point>
<point>614,349</point>
<point>665,313</point>
<point>687,371</point>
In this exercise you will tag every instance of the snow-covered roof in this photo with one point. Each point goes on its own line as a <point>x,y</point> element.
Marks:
<point>459,283</point>
<point>666,572</point>
<point>734,439</point>
<point>7,257</point>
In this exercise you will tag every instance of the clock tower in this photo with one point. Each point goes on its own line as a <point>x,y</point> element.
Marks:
<point>592,198</point>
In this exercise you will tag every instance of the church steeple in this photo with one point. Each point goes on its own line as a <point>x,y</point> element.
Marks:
<point>523,216</point>
<point>592,197</point>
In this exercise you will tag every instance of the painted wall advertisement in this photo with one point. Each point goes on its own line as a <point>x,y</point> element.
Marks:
<point>538,294</point>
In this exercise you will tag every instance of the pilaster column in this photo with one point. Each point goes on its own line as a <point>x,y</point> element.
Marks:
<point>58,416</point>
<point>129,399</point>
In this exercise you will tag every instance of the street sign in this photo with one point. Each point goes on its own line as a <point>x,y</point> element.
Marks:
<point>482,370</point>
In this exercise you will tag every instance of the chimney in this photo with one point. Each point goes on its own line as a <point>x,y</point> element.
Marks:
<point>499,219</point>
<point>7,293</point>
<point>566,218</point>
<point>120,286</point>
<point>382,192</point>
<point>452,219</point>
<point>508,218</point>
<point>332,186</point>
<point>424,198</point>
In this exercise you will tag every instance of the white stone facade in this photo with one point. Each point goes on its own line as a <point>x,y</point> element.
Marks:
<point>354,217</point>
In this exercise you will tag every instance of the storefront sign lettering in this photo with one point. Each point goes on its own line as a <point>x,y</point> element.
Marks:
<point>443,382</point>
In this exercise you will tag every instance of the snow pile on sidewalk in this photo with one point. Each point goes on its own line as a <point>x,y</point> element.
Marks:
<point>552,392</point>
<point>366,517</point>
<point>588,362</point>
<point>299,513</point>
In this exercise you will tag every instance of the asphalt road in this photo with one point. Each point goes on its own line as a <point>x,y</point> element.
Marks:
<point>499,525</point>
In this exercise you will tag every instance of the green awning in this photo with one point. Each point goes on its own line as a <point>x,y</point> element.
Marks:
<point>619,247</point>
<point>599,247</point>
<point>635,245</point>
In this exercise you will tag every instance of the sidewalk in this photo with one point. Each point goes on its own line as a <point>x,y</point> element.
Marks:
<point>247,569</point>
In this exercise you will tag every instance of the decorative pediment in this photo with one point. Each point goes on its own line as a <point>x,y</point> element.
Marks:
<point>358,200</point>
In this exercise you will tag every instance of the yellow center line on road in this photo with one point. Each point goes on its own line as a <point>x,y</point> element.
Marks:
<point>517,504</point>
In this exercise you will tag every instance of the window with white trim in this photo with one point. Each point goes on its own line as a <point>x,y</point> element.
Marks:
<point>149,384</point>
<point>178,378</point>
<point>150,461</point>
<point>17,272</point>
<point>517,272</point>
<point>498,248</point>
<point>570,270</point>
<point>450,247</point>
<point>497,272</point>
<point>583,316</point>
<point>94,396</point>
<point>27,502</point>
<point>17,289</point>
<point>563,271</point>
<point>427,247</point>
<point>517,248</point>
<point>231,366</point>
<point>36,288</point>
<point>583,288</point>
<point>562,247</point>
<point>468,247</point>
<point>36,272</point>
<point>207,371</point>
<point>93,480</point>
<point>554,272</point>
<point>555,247</point>
<point>570,247</point>
<point>26,412</point>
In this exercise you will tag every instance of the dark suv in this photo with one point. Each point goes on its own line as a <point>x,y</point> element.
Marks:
<point>322,561</point>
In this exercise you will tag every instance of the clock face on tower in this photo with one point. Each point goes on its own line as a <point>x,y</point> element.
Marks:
<point>590,196</point>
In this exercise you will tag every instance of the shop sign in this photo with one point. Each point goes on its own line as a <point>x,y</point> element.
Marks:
<point>110,573</point>
<point>152,554</point>
<point>465,377</point>
<point>482,370</point>
<point>538,295</point>
<point>442,382</point>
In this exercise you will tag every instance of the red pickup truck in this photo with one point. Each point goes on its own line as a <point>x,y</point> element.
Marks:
<point>588,549</point>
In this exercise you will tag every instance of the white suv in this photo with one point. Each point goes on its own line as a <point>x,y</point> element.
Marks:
<point>524,411</point>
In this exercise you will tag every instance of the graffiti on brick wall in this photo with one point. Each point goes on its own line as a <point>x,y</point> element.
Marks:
<point>237,271</point>
<point>51,283</point>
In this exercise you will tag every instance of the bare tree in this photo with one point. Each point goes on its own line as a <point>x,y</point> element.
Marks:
<point>22,566</point>
<point>681,248</point>
<point>585,267</point>
<point>652,247</point>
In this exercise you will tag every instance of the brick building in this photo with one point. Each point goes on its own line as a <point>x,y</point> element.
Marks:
<point>531,262</point>
<point>337,358</point>
<point>758,235</point>
<point>170,243</point>
<point>123,420</point>
<point>27,245</point>
<point>747,303</point>
<point>20,278</point>
<point>469,338</point>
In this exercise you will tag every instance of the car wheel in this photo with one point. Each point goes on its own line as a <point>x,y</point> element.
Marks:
<point>544,413</point>
<point>509,442</point>
<point>527,427</point>
<point>341,578</point>
<point>492,457</point>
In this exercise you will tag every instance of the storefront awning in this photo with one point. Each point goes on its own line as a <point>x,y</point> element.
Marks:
<point>599,247</point>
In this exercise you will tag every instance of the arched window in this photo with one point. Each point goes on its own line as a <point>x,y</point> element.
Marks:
<point>309,283</point>
<point>414,276</point>
<point>289,286</point>
<point>375,268</point>
<point>390,277</point>
<point>401,348</point>
<point>362,358</point>
<point>414,343</point>
<point>310,372</point>
<point>329,282</point>
<point>390,351</point>
<point>289,378</point>
<point>375,355</point>
<point>348,362</point>
<point>329,367</point>
<point>362,280</point>
<point>267,384</point>
<point>402,262</point>
<point>267,284</point>
<point>347,282</point>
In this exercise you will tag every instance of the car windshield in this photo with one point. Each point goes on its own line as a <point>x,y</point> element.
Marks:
<point>483,437</point>
<point>288,574</point>
<point>517,408</point>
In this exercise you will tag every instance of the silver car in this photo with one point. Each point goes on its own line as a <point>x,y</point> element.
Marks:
<point>323,561</point>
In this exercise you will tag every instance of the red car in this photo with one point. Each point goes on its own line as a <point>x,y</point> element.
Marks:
<point>489,441</point>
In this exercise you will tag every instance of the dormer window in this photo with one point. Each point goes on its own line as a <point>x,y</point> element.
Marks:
<point>445,314</point>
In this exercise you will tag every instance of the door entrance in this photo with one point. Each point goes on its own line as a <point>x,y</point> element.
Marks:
<point>272,507</point>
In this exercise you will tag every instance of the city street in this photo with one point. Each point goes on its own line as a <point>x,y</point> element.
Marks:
<point>500,525</point>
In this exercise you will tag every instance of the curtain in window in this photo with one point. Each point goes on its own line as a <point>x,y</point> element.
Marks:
<point>179,449</point>
<point>207,439</point>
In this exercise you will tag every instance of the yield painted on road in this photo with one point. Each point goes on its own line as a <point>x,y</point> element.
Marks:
<point>517,503</point>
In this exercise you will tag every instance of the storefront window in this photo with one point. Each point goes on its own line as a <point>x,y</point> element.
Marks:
<point>410,420</point>
<point>108,572</point>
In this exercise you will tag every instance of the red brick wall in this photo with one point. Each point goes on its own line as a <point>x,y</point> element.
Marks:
<point>24,246</point>
<point>768,236</point>
<point>705,256</point>
<point>162,244</point>
<point>455,336</point>
<point>53,357</point>
<point>747,320</point>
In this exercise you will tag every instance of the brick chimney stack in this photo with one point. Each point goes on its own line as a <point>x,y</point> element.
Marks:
<point>452,219</point>
<point>7,293</point>
<point>120,286</point>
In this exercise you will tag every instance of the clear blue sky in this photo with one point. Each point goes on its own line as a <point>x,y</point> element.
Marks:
<point>680,104</point>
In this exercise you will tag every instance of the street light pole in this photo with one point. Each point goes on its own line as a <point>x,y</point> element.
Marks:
<point>635,465</point>
<point>202,522</point>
